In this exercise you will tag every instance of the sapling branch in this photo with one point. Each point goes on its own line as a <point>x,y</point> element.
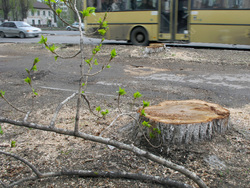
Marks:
<point>52,123</point>
<point>9,103</point>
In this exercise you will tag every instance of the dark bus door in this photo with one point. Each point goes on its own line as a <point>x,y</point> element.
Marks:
<point>174,20</point>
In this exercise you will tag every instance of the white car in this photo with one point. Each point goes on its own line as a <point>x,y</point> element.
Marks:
<point>18,29</point>
<point>74,27</point>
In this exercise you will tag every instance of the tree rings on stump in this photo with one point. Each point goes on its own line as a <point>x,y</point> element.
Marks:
<point>180,122</point>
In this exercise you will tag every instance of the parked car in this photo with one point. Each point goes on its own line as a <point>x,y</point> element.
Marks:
<point>18,29</point>
<point>74,27</point>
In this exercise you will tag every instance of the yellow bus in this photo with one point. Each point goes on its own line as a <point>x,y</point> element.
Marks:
<point>205,21</point>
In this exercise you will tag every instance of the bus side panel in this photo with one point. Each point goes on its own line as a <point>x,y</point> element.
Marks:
<point>220,26</point>
<point>121,23</point>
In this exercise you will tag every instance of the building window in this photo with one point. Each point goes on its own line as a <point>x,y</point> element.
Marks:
<point>39,22</point>
<point>44,13</point>
<point>38,13</point>
<point>49,13</point>
<point>32,13</point>
<point>33,22</point>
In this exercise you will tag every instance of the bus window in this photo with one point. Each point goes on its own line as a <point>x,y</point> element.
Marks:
<point>165,16</point>
<point>145,5</point>
<point>221,4</point>
<point>182,16</point>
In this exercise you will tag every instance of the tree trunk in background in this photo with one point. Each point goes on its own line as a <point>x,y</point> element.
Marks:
<point>181,122</point>
<point>5,8</point>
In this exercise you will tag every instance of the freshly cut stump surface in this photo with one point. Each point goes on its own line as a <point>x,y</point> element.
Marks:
<point>182,121</point>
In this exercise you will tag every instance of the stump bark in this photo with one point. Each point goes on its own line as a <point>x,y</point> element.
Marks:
<point>181,122</point>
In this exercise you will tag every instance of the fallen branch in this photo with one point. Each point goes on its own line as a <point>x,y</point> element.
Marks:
<point>114,143</point>
<point>93,174</point>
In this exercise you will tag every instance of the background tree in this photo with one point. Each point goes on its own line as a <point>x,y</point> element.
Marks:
<point>5,4</point>
<point>25,5</point>
<point>15,9</point>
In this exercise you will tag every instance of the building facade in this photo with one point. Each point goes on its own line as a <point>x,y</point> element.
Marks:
<point>41,15</point>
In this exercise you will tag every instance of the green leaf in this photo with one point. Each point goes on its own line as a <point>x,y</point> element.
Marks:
<point>83,84</point>
<point>121,91</point>
<point>98,109</point>
<point>146,124</point>
<point>82,92</point>
<point>35,93</point>
<point>13,144</point>
<point>95,62</point>
<point>105,24</point>
<point>143,112</point>
<point>52,48</point>
<point>56,57</point>
<point>91,10</point>
<point>137,95</point>
<point>27,70</point>
<point>43,40</point>
<point>34,68</point>
<point>87,61</point>
<point>2,93</point>
<point>36,60</point>
<point>88,11</point>
<point>145,104</point>
<point>151,135</point>
<point>102,31</point>
<point>108,66</point>
<point>113,53</point>
<point>27,80</point>
<point>1,131</point>
<point>105,112</point>
<point>58,11</point>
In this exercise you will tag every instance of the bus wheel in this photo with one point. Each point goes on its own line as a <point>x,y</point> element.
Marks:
<point>139,37</point>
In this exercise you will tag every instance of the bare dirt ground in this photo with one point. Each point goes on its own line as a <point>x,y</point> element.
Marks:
<point>222,162</point>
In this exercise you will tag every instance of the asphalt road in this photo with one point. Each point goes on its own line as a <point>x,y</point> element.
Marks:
<point>220,76</point>
<point>59,37</point>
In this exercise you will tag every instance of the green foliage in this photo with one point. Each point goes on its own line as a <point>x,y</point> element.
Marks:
<point>151,135</point>
<point>56,57</point>
<point>98,109</point>
<point>59,11</point>
<point>121,91</point>
<point>143,112</point>
<point>157,130</point>
<point>52,48</point>
<point>146,124</point>
<point>137,95</point>
<point>113,53</point>
<point>43,40</point>
<point>145,104</point>
<point>102,31</point>
<point>1,131</point>
<point>88,11</point>
<point>27,80</point>
<point>104,113</point>
<point>2,93</point>
<point>95,62</point>
<point>108,66</point>
<point>13,144</point>
<point>35,93</point>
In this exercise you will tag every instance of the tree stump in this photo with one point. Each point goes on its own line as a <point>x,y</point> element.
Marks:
<point>181,122</point>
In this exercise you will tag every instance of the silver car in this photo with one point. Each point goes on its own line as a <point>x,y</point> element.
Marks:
<point>75,26</point>
<point>18,29</point>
